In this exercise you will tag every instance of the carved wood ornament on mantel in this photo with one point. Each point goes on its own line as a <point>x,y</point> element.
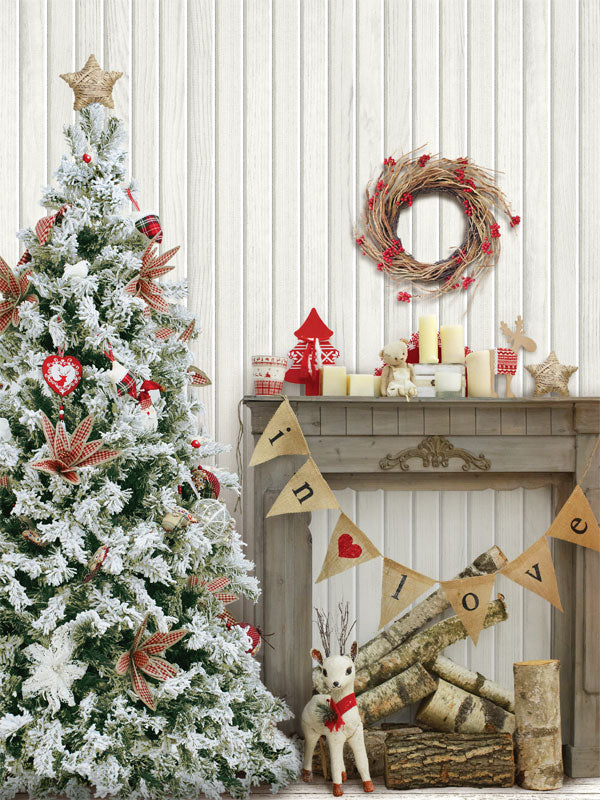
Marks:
<point>436,452</point>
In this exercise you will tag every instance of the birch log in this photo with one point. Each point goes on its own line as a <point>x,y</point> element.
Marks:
<point>473,682</point>
<point>408,687</point>
<point>448,759</point>
<point>374,745</point>
<point>433,605</point>
<point>538,744</point>
<point>452,709</point>
<point>423,647</point>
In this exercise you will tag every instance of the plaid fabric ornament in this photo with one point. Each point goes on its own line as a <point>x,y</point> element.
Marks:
<point>44,226</point>
<point>186,335</point>
<point>142,285</point>
<point>148,224</point>
<point>68,454</point>
<point>199,378</point>
<point>25,258</point>
<point>95,562</point>
<point>14,292</point>
<point>144,658</point>
<point>4,482</point>
<point>162,334</point>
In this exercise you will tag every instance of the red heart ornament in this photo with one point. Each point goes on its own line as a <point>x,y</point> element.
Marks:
<point>347,548</point>
<point>62,373</point>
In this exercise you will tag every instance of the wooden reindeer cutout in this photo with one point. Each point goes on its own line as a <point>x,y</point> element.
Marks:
<point>506,357</point>
<point>335,715</point>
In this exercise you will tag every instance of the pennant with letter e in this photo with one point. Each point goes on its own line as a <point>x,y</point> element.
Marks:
<point>469,597</point>
<point>307,490</point>
<point>534,570</point>
<point>576,523</point>
<point>282,436</point>
<point>348,547</point>
<point>399,587</point>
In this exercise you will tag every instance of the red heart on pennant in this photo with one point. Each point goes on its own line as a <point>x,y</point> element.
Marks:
<point>62,373</point>
<point>347,548</point>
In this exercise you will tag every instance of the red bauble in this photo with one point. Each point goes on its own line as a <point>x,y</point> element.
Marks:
<point>87,158</point>
<point>196,443</point>
<point>62,373</point>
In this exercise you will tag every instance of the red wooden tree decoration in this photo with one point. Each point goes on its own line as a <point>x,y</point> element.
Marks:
<point>312,352</point>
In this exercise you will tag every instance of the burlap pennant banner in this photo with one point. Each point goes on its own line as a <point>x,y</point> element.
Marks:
<point>469,597</point>
<point>282,436</point>
<point>534,570</point>
<point>576,522</point>
<point>399,587</point>
<point>348,547</point>
<point>307,490</point>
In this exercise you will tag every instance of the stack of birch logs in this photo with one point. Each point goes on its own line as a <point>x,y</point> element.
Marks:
<point>403,665</point>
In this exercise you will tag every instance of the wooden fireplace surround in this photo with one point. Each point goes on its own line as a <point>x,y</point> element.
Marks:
<point>524,442</point>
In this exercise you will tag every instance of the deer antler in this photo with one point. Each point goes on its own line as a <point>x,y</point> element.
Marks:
<point>519,327</point>
<point>507,331</point>
<point>345,631</point>
<point>324,631</point>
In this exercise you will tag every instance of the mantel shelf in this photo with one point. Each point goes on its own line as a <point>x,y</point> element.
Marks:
<point>551,402</point>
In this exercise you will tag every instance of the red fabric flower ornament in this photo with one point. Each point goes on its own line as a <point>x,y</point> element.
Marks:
<point>143,658</point>
<point>14,291</point>
<point>143,285</point>
<point>70,453</point>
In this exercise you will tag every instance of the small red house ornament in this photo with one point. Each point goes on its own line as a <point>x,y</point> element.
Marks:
<point>313,351</point>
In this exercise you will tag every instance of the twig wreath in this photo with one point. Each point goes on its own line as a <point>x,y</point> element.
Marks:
<point>412,176</point>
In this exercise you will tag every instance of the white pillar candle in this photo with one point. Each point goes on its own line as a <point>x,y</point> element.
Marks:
<point>428,339</point>
<point>448,382</point>
<point>377,385</point>
<point>453,344</point>
<point>480,377</point>
<point>361,385</point>
<point>334,381</point>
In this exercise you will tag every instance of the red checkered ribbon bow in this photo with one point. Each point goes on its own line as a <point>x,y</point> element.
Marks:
<point>14,291</point>
<point>144,658</point>
<point>215,587</point>
<point>142,285</point>
<point>45,225</point>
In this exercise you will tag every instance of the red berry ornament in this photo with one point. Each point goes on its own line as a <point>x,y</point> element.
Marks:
<point>87,158</point>
<point>196,443</point>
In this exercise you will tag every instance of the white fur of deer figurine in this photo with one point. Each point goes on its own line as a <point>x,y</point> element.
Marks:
<point>335,714</point>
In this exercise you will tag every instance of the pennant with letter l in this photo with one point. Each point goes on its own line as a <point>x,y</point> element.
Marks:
<point>534,570</point>
<point>348,547</point>
<point>399,587</point>
<point>576,523</point>
<point>282,436</point>
<point>307,490</point>
<point>469,597</point>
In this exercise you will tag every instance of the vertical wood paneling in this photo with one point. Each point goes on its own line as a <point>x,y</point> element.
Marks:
<point>253,130</point>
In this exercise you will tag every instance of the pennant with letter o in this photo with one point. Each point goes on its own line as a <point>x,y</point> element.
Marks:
<point>469,597</point>
<point>399,587</point>
<point>348,547</point>
<point>282,436</point>
<point>307,490</point>
<point>534,570</point>
<point>576,523</point>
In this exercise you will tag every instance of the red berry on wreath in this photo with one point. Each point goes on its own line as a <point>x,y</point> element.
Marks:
<point>87,158</point>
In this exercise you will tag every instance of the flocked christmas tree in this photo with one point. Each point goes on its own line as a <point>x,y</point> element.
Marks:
<point>120,668</point>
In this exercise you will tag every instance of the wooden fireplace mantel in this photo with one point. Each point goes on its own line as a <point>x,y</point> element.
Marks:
<point>464,444</point>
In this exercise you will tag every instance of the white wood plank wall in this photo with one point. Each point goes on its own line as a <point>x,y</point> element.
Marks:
<point>253,129</point>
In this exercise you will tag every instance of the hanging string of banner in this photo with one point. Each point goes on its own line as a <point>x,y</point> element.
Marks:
<point>349,546</point>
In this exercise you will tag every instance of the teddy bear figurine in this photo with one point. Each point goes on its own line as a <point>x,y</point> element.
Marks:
<point>397,377</point>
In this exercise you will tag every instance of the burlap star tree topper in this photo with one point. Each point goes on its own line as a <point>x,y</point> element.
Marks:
<point>92,84</point>
<point>551,376</point>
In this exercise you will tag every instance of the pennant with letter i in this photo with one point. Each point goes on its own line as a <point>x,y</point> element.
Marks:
<point>282,436</point>
<point>469,597</point>
<point>348,547</point>
<point>576,523</point>
<point>534,570</point>
<point>307,490</point>
<point>399,587</point>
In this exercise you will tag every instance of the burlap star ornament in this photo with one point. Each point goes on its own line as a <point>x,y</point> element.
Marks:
<point>92,84</point>
<point>551,376</point>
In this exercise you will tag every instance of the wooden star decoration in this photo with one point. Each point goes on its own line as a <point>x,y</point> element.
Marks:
<point>92,84</point>
<point>551,376</point>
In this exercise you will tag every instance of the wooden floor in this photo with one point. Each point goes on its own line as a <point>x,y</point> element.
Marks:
<point>584,788</point>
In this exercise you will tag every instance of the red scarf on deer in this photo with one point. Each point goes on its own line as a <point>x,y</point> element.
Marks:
<point>339,709</point>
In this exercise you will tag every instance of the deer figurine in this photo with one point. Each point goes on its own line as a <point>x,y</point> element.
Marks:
<point>506,357</point>
<point>335,714</point>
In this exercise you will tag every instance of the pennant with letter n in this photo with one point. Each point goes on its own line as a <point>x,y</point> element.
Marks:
<point>282,436</point>
<point>534,570</point>
<point>469,597</point>
<point>399,587</point>
<point>307,490</point>
<point>348,547</point>
<point>576,523</point>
